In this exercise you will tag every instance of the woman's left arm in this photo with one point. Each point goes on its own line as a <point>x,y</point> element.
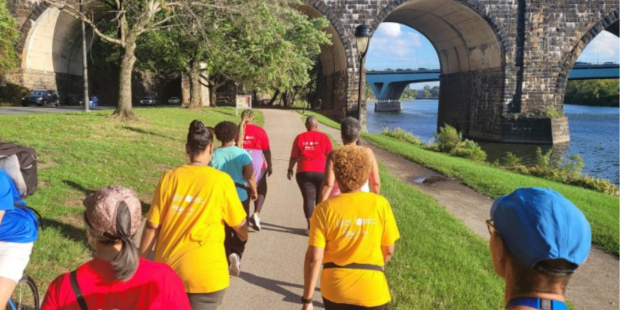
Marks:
<point>312,266</point>
<point>375,179</point>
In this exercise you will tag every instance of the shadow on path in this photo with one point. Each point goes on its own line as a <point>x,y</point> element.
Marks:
<point>277,287</point>
<point>283,229</point>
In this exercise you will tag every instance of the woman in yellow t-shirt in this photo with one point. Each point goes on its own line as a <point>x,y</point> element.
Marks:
<point>186,222</point>
<point>352,235</point>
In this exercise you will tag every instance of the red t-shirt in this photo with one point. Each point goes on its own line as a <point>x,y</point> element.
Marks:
<point>153,286</point>
<point>311,149</point>
<point>255,138</point>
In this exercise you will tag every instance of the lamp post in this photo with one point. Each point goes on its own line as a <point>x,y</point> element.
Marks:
<point>84,61</point>
<point>362,36</point>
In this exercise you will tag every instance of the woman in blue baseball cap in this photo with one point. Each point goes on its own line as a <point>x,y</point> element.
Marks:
<point>538,240</point>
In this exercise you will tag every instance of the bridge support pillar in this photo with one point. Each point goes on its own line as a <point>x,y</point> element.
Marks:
<point>388,106</point>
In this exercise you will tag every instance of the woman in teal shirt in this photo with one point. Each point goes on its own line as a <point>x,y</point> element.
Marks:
<point>237,163</point>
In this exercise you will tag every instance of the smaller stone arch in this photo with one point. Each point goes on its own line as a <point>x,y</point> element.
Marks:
<point>608,22</point>
<point>335,59</point>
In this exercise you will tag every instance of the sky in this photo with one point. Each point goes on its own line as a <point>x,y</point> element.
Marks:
<point>398,46</point>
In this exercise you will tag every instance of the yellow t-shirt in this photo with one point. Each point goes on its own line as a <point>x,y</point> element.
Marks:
<point>352,228</point>
<point>191,205</point>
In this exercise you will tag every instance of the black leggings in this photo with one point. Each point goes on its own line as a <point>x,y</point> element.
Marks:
<point>334,306</point>
<point>310,186</point>
<point>262,193</point>
<point>232,243</point>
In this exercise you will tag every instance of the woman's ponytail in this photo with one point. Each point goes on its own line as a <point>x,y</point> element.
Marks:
<point>126,263</point>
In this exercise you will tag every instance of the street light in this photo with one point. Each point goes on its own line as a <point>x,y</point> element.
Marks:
<point>362,36</point>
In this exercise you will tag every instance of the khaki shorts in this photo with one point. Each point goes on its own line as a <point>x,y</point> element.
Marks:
<point>14,258</point>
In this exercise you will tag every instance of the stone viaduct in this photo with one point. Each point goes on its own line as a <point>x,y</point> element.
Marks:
<point>504,63</point>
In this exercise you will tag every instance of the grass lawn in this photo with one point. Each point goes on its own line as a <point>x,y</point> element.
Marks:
<point>600,209</point>
<point>79,153</point>
<point>439,263</point>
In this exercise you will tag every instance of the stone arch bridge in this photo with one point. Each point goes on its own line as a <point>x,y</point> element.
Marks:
<point>504,64</point>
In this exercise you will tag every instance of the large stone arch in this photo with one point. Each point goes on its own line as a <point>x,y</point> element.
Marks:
<point>608,23</point>
<point>50,50</point>
<point>335,60</point>
<point>473,52</point>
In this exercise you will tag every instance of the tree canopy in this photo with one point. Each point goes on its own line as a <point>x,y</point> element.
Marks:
<point>593,92</point>
<point>8,40</point>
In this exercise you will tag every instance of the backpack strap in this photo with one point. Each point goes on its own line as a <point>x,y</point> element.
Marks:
<point>36,213</point>
<point>77,291</point>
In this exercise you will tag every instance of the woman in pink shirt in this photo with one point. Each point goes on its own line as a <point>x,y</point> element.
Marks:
<point>116,278</point>
<point>309,152</point>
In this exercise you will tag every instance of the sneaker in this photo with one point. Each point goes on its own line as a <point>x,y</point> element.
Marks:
<point>255,220</point>
<point>235,265</point>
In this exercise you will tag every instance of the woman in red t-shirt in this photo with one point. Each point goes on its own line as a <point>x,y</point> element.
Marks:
<point>256,143</point>
<point>309,152</point>
<point>116,278</point>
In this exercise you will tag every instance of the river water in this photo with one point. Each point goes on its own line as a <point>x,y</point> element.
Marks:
<point>594,133</point>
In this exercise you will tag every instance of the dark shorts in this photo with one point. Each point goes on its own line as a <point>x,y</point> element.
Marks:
<point>334,306</point>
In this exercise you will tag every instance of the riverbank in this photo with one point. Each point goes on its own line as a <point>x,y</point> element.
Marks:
<point>600,209</point>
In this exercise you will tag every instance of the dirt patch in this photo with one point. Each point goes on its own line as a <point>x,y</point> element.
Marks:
<point>46,165</point>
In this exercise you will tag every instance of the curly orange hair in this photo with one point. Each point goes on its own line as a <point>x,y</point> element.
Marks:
<point>351,167</point>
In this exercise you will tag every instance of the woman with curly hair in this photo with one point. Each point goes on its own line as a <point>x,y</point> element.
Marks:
<point>350,129</point>
<point>352,235</point>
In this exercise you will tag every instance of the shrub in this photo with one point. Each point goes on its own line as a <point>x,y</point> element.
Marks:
<point>448,138</point>
<point>511,160</point>
<point>543,159</point>
<point>470,150</point>
<point>404,136</point>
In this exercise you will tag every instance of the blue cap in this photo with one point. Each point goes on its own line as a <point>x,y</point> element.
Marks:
<point>538,224</point>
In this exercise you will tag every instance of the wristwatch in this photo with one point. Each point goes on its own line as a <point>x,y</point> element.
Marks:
<point>306,301</point>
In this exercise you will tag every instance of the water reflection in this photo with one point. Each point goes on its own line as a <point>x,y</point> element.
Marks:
<point>594,135</point>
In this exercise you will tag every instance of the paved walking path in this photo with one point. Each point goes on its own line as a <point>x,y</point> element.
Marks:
<point>594,286</point>
<point>272,266</point>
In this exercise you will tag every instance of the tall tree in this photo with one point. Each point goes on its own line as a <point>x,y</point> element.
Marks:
<point>133,18</point>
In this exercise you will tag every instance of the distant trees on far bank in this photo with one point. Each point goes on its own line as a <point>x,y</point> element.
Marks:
<point>427,92</point>
<point>593,92</point>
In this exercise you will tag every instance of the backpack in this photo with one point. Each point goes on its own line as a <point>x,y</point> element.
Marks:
<point>20,163</point>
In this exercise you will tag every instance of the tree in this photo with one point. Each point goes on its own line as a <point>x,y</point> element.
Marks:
<point>8,40</point>
<point>427,92</point>
<point>593,92</point>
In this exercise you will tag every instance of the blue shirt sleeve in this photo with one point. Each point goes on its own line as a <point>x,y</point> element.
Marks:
<point>6,194</point>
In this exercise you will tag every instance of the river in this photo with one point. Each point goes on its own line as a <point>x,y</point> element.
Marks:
<point>594,133</point>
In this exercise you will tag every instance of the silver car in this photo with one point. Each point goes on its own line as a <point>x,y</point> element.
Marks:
<point>174,100</point>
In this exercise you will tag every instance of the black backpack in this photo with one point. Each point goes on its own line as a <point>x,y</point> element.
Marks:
<point>21,165</point>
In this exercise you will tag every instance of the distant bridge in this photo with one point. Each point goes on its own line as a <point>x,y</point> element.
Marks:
<point>388,85</point>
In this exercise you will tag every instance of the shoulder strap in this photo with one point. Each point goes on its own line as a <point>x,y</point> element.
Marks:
<point>76,290</point>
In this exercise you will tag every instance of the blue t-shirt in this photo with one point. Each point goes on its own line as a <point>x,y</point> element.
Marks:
<point>18,225</point>
<point>231,160</point>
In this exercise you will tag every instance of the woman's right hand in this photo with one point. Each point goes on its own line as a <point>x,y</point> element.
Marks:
<point>289,175</point>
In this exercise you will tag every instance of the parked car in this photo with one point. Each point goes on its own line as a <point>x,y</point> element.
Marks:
<point>93,102</point>
<point>148,101</point>
<point>174,100</point>
<point>41,98</point>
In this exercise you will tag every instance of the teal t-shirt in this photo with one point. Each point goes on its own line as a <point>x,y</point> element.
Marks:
<point>231,160</point>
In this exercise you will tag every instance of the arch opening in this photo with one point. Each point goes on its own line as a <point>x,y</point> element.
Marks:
<point>471,60</point>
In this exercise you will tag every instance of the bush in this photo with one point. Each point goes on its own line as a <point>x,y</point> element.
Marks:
<point>511,160</point>
<point>404,136</point>
<point>448,138</point>
<point>470,150</point>
<point>12,93</point>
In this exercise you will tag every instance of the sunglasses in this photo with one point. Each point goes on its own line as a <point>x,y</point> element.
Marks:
<point>491,227</point>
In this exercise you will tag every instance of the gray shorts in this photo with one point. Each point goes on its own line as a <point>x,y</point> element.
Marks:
<point>206,301</point>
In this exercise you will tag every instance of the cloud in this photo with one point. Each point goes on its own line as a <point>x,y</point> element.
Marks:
<point>605,47</point>
<point>391,41</point>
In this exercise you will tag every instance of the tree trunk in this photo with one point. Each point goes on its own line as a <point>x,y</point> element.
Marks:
<point>195,87</point>
<point>273,99</point>
<point>123,108</point>
<point>213,95</point>
<point>255,98</point>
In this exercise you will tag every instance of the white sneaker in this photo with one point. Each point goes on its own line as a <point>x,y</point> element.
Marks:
<point>256,222</point>
<point>235,265</point>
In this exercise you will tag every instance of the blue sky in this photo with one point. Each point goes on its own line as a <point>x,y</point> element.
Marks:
<point>398,46</point>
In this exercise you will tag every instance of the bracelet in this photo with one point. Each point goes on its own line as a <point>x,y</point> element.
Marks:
<point>306,301</point>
